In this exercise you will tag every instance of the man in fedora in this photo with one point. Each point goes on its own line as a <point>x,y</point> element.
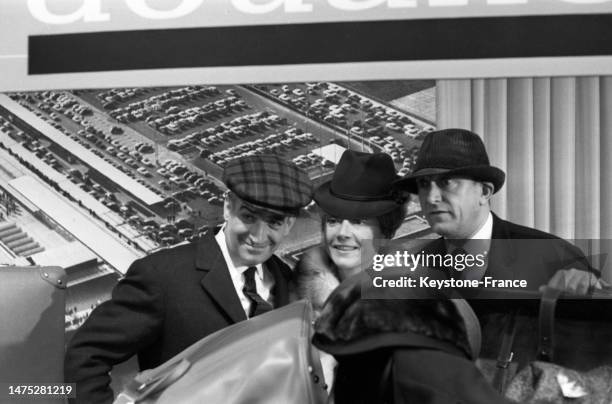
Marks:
<point>455,182</point>
<point>175,297</point>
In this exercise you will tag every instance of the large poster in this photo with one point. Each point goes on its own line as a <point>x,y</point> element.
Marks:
<point>94,43</point>
<point>117,119</point>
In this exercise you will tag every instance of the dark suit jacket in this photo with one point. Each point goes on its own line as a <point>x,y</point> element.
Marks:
<point>519,252</point>
<point>166,302</point>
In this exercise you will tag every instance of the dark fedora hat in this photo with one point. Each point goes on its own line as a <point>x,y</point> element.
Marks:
<point>361,186</point>
<point>456,152</point>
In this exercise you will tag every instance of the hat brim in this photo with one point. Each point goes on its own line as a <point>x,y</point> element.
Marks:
<point>351,209</point>
<point>271,210</point>
<point>378,341</point>
<point>408,338</point>
<point>479,173</point>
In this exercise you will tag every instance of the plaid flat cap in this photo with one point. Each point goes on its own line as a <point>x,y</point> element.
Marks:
<point>270,182</point>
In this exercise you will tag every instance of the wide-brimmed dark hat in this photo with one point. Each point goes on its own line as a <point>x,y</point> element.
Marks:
<point>453,151</point>
<point>361,186</point>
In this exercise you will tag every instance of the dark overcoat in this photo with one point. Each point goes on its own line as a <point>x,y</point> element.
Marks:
<point>166,302</point>
<point>401,350</point>
<point>518,253</point>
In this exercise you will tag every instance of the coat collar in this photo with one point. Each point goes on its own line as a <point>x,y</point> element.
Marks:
<point>502,254</point>
<point>281,282</point>
<point>217,281</point>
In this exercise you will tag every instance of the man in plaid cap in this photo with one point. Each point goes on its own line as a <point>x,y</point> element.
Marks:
<point>175,297</point>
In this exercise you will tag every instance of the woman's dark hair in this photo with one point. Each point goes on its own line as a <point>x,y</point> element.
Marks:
<point>388,222</point>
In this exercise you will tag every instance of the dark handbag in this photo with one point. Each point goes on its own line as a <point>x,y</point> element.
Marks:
<point>529,329</point>
<point>266,359</point>
<point>32,322</point>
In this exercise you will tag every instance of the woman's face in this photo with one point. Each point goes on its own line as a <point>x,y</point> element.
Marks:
<point>350,243</point>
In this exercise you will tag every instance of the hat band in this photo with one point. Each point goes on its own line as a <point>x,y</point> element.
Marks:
<point>357,198</point>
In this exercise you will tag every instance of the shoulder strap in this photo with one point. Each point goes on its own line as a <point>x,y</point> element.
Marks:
<point>546,332</point>
<point>504,358</point>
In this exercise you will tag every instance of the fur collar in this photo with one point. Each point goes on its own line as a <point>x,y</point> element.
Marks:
<point>346,317</point>
<point>315,277</point>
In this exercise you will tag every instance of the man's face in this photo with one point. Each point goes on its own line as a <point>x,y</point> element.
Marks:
<point>252,234</point>
<point>454,207</point>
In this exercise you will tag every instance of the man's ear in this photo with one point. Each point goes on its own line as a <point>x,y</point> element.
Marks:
<point>227,208</point>
<point>487,191</point>
<point>290,223</point>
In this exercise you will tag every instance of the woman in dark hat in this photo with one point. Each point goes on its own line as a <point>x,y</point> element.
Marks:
<point>357,208</point>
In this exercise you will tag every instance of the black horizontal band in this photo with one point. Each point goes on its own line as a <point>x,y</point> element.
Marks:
<point>370,41</point>
<point>357,198</point>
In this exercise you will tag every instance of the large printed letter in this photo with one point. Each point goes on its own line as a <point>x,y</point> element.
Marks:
<point>352,5</point>
<point>141,8</point>
<point>90,11</point>
<point>291,6</point>
<point>447,3</point>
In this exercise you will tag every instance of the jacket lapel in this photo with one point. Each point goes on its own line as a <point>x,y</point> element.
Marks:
<point>281,286</point>
<point>217,281</point>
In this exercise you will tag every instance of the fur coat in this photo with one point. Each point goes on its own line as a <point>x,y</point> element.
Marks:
<point>343,317</point>
<point>315,277</point>
<point>401,351</point>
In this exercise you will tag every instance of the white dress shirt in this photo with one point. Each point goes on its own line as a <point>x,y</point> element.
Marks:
<point>264,281</point>
<point>486,230</point>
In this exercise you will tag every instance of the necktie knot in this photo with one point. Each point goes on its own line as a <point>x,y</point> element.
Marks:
<point>249,275</point>
<point>258,304</point>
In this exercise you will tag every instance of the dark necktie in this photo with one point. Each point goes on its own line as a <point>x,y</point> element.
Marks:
<point>258,304</point>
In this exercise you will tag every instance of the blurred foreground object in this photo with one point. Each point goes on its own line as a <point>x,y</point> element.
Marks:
<point>32,326</point>
<point>267,359</point>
